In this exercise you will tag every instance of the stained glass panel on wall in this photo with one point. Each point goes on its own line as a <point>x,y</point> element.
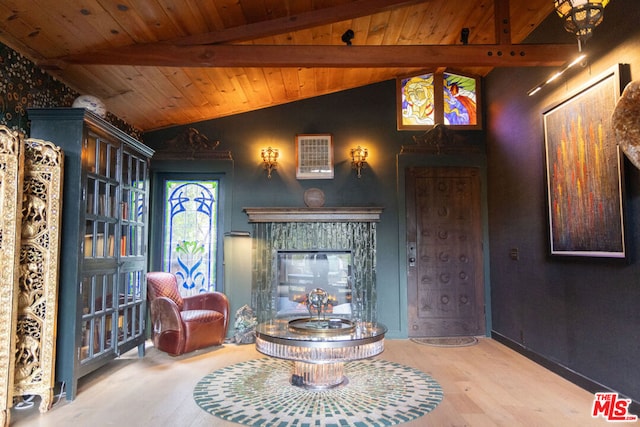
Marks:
<point>447,98</point>
<point>417,103</point>
<point>190,234</point>
<point>459,100</point>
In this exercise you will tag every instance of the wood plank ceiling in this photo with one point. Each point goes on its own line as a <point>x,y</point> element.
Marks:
<point>159,63</point>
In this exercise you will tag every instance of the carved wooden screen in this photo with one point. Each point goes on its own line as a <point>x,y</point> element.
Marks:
<point>11,166</point>
<point>37,293</point>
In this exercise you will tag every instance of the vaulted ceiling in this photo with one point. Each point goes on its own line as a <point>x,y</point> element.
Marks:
<point>158,63</point>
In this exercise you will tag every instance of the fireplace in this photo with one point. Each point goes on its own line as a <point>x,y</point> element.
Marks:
<point>299,272</point>
<point>288,241</point>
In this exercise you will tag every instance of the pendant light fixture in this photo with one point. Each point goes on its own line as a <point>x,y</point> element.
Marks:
<point>581,16</point>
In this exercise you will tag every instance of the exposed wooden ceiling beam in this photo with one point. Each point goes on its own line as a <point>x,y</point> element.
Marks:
<point>300,21</point>
<point>325,56</point>
<point>502,21</point>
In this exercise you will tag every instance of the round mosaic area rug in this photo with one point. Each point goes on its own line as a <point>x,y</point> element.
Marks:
<point>258,393</point>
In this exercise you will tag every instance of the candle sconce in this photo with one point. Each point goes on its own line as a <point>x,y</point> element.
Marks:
<point>270,159</point>
<point>359,159</point>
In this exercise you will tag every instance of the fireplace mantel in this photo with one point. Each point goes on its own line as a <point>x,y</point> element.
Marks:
<point>344,214</point>
<point>326,228</point>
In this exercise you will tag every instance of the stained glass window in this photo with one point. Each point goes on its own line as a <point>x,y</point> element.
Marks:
<point>191,234</point>
<point>459,100</point>
<point>417,101</point>
<point>421,107</point>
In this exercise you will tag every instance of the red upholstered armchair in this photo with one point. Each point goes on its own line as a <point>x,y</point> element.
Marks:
<point>184,324</point>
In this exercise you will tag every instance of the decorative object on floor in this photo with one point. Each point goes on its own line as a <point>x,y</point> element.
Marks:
<point>245,325</point>
<point>447,341</point>
<point>259,393</point>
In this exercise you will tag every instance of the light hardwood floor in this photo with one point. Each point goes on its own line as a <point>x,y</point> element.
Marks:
<point>486,384</point>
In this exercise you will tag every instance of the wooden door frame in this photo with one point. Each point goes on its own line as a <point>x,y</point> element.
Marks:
<point>413,159</point>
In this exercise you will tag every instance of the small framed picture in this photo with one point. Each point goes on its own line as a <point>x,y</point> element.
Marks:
<point>314,156</point>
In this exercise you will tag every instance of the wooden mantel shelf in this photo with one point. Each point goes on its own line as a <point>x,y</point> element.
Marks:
<point>347,214</point>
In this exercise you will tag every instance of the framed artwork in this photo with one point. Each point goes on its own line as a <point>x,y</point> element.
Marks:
<point>314,156</point>
<point>584,172</point>
<point>447,98</point>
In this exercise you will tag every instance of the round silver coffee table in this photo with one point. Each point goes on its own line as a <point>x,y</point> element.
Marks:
<point>319,355</point>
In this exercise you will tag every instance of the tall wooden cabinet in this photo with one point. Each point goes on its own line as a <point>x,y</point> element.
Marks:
<point>103,259</point>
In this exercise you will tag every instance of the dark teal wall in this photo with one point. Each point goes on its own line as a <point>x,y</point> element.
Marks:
<point>364,116</point>
<point>581,314</point>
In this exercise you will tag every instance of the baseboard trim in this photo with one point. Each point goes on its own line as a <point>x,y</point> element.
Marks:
<point>565,372</point>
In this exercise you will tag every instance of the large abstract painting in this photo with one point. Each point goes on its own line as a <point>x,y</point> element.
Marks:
<point>584,172</point>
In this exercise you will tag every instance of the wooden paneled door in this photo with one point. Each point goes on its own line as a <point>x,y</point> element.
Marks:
<point>444,252</point>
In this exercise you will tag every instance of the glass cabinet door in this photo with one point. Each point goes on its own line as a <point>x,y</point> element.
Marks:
<point>131,308</point>
<point>101,245</point>
<point>133,235</point>
<point>98,314</point>
<point>133,205</point>
<point>101,197</point>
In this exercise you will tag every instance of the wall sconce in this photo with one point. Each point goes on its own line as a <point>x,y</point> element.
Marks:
<point>270,159</point>
<point>580,16</point>
<point>359,159</point>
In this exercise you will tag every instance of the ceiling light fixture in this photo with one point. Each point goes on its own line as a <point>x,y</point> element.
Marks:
<point>580,16</point>
<point>579,60</point>
<point>348,36</point>
<point>464,36</point>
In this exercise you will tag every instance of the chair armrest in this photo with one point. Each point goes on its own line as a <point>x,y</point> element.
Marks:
<point>165,315</point>
<point>216,301</point>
